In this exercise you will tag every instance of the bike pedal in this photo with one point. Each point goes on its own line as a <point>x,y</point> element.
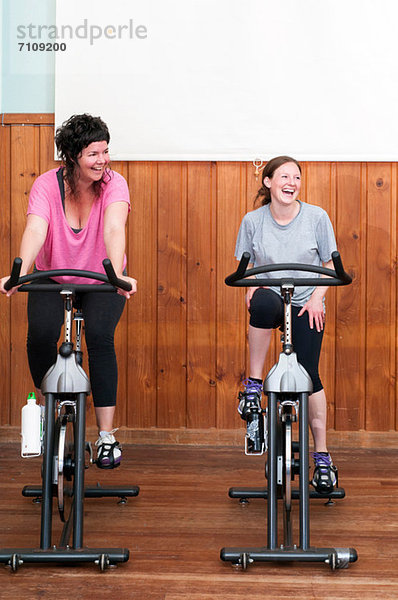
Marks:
<point>249,451</point>
<point>255,437</point>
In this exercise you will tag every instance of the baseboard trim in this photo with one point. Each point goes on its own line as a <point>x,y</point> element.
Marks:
<point>221,437</point>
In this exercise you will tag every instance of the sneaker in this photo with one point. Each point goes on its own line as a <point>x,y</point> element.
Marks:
<point>250,411</point>
<point>250,399</point>
<point>109,451</point>
<point>325,473</point>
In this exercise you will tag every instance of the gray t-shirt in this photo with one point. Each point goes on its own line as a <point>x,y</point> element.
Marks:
<point>308,239</point>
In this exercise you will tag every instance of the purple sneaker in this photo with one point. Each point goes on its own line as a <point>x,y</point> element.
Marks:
<point>325,473</point>
<point>250,399</point>
<point>250,411</point>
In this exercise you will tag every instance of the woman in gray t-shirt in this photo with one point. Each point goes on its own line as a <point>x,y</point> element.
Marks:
<point>286,230</point>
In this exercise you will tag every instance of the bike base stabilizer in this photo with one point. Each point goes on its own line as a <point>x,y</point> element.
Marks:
<point>336,558</point>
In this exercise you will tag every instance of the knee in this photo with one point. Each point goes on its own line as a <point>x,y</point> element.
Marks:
<point>265,309</point>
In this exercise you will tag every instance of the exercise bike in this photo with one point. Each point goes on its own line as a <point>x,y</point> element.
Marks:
<point>287,387</point>
<point>65,388</point>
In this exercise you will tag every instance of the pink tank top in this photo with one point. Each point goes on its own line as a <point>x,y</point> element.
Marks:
<point>64,249</point>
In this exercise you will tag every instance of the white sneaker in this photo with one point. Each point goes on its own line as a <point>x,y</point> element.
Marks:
<point>109,451</point>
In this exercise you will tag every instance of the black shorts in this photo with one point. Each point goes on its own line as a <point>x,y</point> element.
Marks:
<point>266,312</point>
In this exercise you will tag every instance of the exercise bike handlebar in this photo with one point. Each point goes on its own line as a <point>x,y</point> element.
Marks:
<point>332,278</point>
<point>110,280</point>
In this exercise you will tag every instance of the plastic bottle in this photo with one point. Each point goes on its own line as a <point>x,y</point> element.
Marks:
<point>30,428</point>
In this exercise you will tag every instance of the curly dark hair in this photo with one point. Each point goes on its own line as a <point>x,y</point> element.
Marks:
<point>264,194</point>
<point>75,134</point>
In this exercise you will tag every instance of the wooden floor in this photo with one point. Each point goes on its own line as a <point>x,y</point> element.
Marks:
<point>182,518</point>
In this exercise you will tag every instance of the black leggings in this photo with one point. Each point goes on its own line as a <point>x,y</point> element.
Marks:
<point>266,312</point>
<point>102,312</point>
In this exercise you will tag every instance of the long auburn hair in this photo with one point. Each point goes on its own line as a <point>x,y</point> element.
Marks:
<point>264,194</point>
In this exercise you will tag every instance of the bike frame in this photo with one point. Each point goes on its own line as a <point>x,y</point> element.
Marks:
<point>67,379</point>
<point>288,377</point>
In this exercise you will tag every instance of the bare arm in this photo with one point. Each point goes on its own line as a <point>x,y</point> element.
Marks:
<point>251,290</point>
<point>314,306</point>
<point>32,241</point>
<point>115,240</point>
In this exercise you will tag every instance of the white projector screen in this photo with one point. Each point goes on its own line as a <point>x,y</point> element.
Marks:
<point>233,79</point>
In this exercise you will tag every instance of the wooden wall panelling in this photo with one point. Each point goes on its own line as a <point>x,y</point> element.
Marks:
<point>121,345</point>
<point>28,118</point>
<point>252,186</point>
<point>395,263</point>
<point>179,334</point>
<point>393,341</point>
<point>24,170</point>
<point>350,321</point>
<point>5,265</point>
<point>201,297</point>
<point>141,365</point>
<point>394,292</point>
<point>380,314</point>
<point>320,190</point>
<point>46,158</point>
<point>172,294</point>
<point>231,311</point>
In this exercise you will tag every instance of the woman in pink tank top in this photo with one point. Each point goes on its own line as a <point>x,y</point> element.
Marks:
<point>76,217</point>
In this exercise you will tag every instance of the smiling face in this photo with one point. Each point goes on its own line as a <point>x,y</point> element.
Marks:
<point>93,161</point>
<point>285,184</point>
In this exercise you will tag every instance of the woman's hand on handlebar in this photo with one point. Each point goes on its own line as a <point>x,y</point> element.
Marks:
<point>132,282</point>
<point>316,313</point>
<point>7,292</point>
